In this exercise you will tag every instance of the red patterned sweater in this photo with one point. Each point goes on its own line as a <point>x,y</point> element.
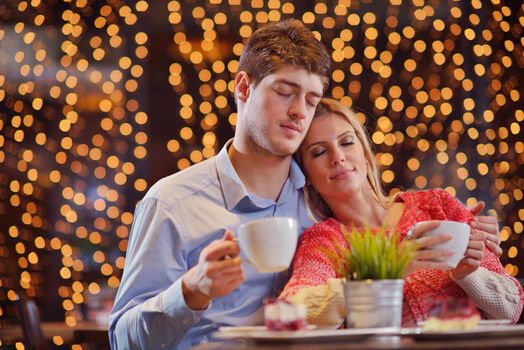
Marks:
<point>312,268</point>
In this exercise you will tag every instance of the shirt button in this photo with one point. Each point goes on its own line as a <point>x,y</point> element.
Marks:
<point>185,321</point>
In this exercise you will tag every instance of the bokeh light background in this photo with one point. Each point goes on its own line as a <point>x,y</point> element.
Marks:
<point>100,99</point>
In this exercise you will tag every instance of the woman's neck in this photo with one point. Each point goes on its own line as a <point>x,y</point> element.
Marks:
<point>360,209</point>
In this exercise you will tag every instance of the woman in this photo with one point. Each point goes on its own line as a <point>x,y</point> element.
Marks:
<point>344,188</point>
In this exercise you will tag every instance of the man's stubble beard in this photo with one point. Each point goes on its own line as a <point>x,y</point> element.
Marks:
<point>260,142</point>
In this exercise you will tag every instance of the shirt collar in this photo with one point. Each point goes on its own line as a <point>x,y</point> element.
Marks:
<point>235,193</point>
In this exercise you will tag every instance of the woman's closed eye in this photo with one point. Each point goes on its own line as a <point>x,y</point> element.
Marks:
<point>347,141</point>
<point>318,152</point>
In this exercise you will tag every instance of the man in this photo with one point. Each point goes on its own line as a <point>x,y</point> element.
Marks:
<point>183,275</point>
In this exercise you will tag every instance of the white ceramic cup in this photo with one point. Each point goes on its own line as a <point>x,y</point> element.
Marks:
<point>269,243</point>
<point>457,244</point>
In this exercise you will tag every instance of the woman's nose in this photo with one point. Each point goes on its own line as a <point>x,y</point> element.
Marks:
<point>338,157</point>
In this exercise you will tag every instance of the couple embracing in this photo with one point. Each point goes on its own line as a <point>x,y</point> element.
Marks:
<point>183,275</point>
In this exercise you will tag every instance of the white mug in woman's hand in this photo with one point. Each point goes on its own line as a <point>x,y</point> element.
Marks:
<point>269,243</point>
<point>459,232</point>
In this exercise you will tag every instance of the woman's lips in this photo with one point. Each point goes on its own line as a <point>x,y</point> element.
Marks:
<point>341,174</point>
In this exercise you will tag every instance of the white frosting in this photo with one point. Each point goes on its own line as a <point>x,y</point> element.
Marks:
<point>285,312</point>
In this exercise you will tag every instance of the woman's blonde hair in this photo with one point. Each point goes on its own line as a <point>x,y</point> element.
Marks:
<point>313,199</point>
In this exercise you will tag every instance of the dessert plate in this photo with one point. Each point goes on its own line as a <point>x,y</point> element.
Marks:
<point>482,323</point>
<point>482,331</point>
<point>261,334</point>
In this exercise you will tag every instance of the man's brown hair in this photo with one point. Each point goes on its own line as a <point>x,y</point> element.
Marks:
<point>287,42</point>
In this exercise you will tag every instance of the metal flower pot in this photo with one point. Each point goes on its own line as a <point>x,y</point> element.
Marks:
<point>373,303</point>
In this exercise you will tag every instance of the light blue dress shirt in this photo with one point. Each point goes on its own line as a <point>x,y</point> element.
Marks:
<point>178,217</point>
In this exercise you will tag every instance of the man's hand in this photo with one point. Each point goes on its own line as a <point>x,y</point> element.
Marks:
<point>488,225</point>
<point>218,273</point>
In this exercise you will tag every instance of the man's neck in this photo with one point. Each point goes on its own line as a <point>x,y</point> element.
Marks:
<point>262,174</point>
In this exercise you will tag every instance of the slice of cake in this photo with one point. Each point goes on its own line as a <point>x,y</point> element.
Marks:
<point>452,315</point>
<point>281,315</point>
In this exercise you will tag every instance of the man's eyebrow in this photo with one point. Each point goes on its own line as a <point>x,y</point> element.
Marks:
<point>296,86</point>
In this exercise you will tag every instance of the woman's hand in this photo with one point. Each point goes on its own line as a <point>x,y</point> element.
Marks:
<point>426,257</point>
<point>487,224</point>
<point>472,258</point>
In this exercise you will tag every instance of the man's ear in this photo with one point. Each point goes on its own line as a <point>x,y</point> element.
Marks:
<point>242,85</point>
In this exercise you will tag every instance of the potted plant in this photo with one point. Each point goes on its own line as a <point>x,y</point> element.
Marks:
<point>374,267</point>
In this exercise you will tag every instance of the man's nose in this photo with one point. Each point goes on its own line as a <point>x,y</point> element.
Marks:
<point>298,108</point>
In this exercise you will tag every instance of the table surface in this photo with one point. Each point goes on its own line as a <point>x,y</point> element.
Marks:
<point>489,340</point>
<point>398,343</point>
<point>90,332</point>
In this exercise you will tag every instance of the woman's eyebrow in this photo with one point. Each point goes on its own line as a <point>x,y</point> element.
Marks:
<point>346,133</point>
<point>314,144</point>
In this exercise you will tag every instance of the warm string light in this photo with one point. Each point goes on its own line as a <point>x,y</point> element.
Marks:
<point>436,82</point>
<point>73,141</point>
